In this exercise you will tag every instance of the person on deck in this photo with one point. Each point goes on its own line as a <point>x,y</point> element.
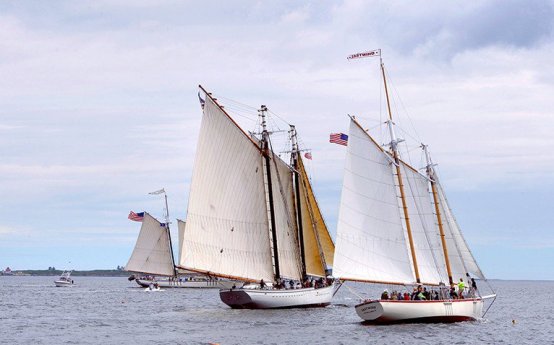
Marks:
<point>262,284</point>
<point>385,295</point>
<point>461,287</point>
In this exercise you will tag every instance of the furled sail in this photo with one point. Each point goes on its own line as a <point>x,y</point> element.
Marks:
<point>371,244</point>
<point>430,259</point>
<point>227,226</point>
<point>461,258</point>
<point>285,223</point>
<point>318,245</point>
<point>152,253</point>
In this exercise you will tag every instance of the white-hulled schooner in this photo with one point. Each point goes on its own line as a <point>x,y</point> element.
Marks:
<point>253,217</point>
<point>395,227</point>
<point>152,257</point>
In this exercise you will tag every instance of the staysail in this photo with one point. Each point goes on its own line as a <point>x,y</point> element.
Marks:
<point>227,225</point>
<point>371,244</point>
<point>461,258</point>
<point>152,252</point>
<point>287,239</point>
<point>427,245</point>
<point>319,246</point>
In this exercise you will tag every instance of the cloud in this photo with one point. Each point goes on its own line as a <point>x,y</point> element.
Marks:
<point>100,101</point>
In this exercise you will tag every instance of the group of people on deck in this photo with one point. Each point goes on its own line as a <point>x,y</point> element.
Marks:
<point>282,284</point>
<point>420,293</point>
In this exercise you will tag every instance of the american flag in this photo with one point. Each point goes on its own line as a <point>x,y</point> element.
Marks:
<point>137,217</point>
<point>202,102</point>
<point>308,155</point>
<point>339,138</point>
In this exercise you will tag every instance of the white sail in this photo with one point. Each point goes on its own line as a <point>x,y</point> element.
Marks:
<point>181,232</point>
<point>285,222</point>
<point>425,234</point>
<point>152,253</point>
<point>461,258</point>
<point>371,244</point>
<point>227,226</point>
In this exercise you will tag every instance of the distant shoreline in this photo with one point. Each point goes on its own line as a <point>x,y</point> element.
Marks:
<point>75,273</point>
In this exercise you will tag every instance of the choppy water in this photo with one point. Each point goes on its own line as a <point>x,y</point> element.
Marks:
<point>114,311</point>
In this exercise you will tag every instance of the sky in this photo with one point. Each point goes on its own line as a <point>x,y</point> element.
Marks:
<point>99,106</point>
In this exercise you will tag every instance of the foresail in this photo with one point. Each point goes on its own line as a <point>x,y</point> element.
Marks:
<point>152,253</point>
<point>461,258</point>
<point>430,258</point>
<point>285,221</point>
<point>370,244</point>
<point>227,230</point>
<point>318,245</point>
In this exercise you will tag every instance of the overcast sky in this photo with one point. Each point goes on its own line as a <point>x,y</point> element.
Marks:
<point>99,107</point>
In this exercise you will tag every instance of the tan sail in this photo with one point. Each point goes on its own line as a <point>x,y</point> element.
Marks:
<point>318,245</point>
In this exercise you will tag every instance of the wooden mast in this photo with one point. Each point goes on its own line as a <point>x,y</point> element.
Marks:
<point>266,153</point>
<point>394,143</point>
<point>169,234</point>
<point>431,175</point>
<point>295,153</point>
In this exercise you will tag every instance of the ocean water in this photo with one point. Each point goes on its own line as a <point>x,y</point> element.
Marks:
<point>116,311</point>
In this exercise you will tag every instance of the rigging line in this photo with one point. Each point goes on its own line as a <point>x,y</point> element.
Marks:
<point>402,104</point>
<point>354,292</point>
<point>238,103</point>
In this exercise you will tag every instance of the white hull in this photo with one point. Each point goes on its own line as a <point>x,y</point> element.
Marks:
<point>191,284</point>
<point>269,299</point>
<point>392,311</point>
<point>63,283</point>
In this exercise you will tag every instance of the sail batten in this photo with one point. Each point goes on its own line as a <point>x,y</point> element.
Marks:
<point>152,252</point>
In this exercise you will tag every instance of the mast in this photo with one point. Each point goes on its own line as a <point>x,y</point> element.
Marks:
<point>431,175</point>
<point>169,233</point>
<point>295,153</point>
<point>266,153</point>
<point>394,147</point>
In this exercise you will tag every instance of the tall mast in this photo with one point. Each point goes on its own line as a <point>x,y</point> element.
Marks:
<point>431,175</point>
<point>166,226</point>
<point>394,147</point>
<point>295,153</point>
<point>266,153</point>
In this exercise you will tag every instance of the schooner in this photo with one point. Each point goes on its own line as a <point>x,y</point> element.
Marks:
<point>153,258</point>
<point>395,227</point>
<point>253,217</point>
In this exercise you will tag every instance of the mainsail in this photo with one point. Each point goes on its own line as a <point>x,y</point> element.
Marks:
<point>227,224</point>
<point>152,252</point>
<point>242,219</point>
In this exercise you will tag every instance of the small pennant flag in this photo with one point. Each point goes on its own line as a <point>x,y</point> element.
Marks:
<point>365,54</point>
<point>308,155</point>
<point>339,138</point>
<point>157,192</point>
<point>202,102</point>
<point>137,217</point>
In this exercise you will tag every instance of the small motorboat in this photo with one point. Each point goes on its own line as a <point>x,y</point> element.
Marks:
<point>64,280</point>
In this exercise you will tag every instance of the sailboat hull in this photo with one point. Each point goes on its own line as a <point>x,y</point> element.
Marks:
<point>191,284</point>
<point>273,299</point>
<point>391,311</point>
